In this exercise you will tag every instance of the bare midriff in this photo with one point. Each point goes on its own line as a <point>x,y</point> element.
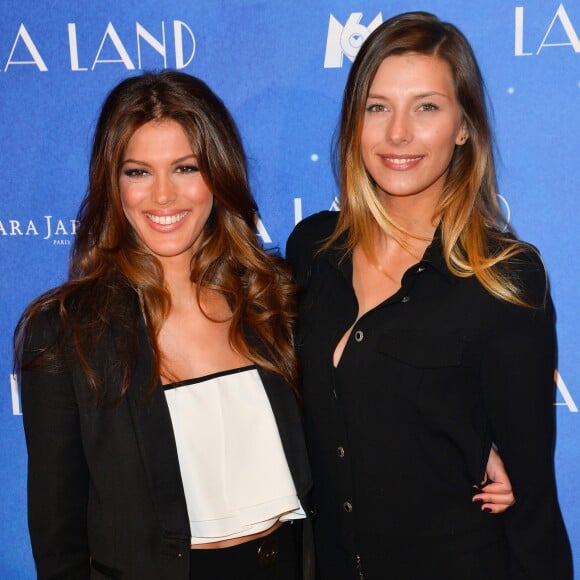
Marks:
<point>236,541</point>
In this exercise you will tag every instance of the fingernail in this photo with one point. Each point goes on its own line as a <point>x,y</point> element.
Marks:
<point>477,500</point>
<point>487,510</point>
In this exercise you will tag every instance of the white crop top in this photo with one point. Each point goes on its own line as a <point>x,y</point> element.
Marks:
<point>233,467</point>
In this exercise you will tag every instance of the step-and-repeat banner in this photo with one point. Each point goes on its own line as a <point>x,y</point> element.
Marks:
<point>280,67</point>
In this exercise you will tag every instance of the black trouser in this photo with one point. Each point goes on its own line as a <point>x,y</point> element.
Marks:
<point>273,557</point>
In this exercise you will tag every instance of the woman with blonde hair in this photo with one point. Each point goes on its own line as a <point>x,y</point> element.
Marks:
<point>426,333</point>
<point>159,382</point>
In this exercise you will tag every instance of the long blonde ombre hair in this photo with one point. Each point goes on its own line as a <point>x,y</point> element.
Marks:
<point>473,230</point>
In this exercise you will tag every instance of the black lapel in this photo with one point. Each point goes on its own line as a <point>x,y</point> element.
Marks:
<point>288,418</point>
<point>154,431</point>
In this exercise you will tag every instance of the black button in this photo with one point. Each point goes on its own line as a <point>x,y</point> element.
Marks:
<point>359,335</point>
<point>347,506</point>
<point>340,451</point>
<point>268,552</point>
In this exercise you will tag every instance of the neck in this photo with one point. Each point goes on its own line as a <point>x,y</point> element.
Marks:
<point>183,293</point>
<point>385,245</point>
<point>176,276</point>
<point>414,214</point>
<point>415,228</point>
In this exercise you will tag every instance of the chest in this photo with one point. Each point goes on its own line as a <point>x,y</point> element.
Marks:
<point>416,353</point>
<point>193,344</point>
<point>426,306</point>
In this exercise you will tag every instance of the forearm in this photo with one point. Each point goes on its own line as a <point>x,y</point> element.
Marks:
<point>517,379</point>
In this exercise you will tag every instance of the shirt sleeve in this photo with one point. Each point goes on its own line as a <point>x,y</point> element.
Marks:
<point>58,477</point>
<point>518,386</point>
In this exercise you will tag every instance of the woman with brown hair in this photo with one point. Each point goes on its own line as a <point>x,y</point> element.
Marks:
<point>159,382</point>
<point>426,333</point>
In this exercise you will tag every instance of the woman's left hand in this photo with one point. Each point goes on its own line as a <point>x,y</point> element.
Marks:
<point>497,496</point>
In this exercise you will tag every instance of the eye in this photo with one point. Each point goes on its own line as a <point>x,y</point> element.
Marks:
<point>187,169</point>
<point>428,107</point>
<point>375,108</point>
<point>135,172</point>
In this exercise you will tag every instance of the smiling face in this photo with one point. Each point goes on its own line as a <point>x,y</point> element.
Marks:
<point>412,124</point>
<point>164,196</point>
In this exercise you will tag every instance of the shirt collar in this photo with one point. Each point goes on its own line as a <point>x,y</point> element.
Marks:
<point>433,257</point>
<point>339,258</point>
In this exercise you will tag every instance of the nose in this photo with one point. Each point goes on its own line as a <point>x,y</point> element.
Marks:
<point>399,128</point>
<point>164,191</point>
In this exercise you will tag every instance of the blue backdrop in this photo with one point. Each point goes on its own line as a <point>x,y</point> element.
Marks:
<point>280,67</point>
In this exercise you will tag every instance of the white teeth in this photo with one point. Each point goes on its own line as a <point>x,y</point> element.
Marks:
<point>166,220</point>
<point>399,161</point>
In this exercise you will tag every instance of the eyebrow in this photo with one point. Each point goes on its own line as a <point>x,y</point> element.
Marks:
<point>417,96</point>
<point>175,161</point>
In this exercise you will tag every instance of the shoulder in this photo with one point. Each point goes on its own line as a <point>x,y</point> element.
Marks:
<point>307,237</point>
<point>51,317</point>
<point>526,269</point>
<point>532,279</point>
<point>38,332</point>
<point>42,327</point>
<point>313,229</point>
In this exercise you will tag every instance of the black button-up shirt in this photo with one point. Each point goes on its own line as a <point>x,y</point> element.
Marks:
<point>401,429</point>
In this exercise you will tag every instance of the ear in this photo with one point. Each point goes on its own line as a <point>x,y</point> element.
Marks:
<point>463,135</point>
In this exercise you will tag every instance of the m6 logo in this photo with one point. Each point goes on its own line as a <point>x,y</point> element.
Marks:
<point>346,40</point>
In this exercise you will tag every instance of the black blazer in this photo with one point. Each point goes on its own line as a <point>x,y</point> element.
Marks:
<point>105,496</point>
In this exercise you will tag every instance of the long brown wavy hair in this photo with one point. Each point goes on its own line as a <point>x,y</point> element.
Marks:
<point>108,258</point>
<point>474,233</point>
